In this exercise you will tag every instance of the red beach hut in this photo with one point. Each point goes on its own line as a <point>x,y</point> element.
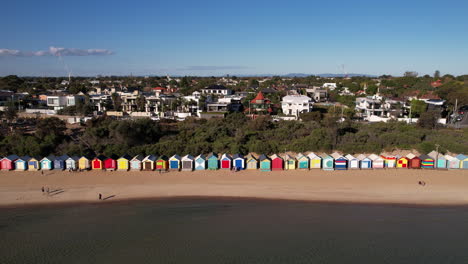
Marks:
<point>98,163</point>
<point>277,163</point>
<point>415,163</point>
<point>7,163</point>
<point>110,164</point>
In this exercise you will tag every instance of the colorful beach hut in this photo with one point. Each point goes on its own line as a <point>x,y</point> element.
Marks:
<point>72,163</point>
<point>441,162</point>
<point>353,162</point>
<point>84,163</point>
<point>277,163</point>
<point>364,161</point>
<point>340,162</point>
<point>47,163</point>
<point>136,163</point>
<point>213,162</point>
<point>463,161</point>
<point>315,161</point>
<point>427,162</point>
<point>390,161</point>
<point>290,162</point>
<point>174,162</point>
<point>162,163</point>
<point>123,163</point>
<point>110,163</point>
<point>303,162</point>
<point>149,162</point>
<point>265,163</point>
<point>239,161</point>
<point>21,163</point>
<point>403,162</point>
<point>7,163</point>
<point>187,162</point>
<point>377,161</point>
<point>34,164</point>
<point>226,161</point>
<point>200,162</point>
<point>98,163</point>
<point>452,162</point>
<point>59,162</point>
<point>415,163</point>
<point>252,162</point>
<point>327,162</point>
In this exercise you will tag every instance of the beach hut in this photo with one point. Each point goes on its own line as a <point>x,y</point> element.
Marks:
<point>200,162</point>
<point>463,161</point>
<point>377,161</point>
<point>238,161</point>
<point>353,162</point>
<point>110,163</point>
<point>174,162</point>
<point>415,163</point>
<point>136,163</point>
<point>315,161</point>
<point>277,163</point>
<point>72,163</point>
<point>123,163</point>
<point>21,163</point>
<point>290,162</point>
<point>162,163</point>
<point>213,162</point>
<point>59,162</point>
<point>390,161</point>
<point>452,162</point>
<point>340,162</point>
<point>327,162</point>
<point>441,162</point>
<point>7,163</point>
<point>265,163</point>
<point>34,164</point>
<point>302,162</point>
<point>84,163</point>
<point>402,162</point>
<point>364,162</point>
<point>252,162</point>
<point>427,162</point>
<point>187,163</point>
<point>226,161</point>
<point>148,163</point>
<point>98,163</point>
<point>47,163</point>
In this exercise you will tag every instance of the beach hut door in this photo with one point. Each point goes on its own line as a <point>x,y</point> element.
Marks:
<point>239,163</point>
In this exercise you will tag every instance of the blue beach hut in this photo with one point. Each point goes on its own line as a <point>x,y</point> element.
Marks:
<point>174,162</point>
<point>239,161</point>
<point>59,162</point>
<point>47,163</point>
<point>21,163</point>
<point>200,162</point>
<point>265,163</point>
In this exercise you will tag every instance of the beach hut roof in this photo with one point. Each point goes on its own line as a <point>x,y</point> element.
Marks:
<point>461,157</point>
<point>325,156</point>
<point>424,157</point>
<point>150,158</point>
<point>250,156</point>
<point>238,156</point>
<point>450,157</point>
<point>139,157</point>
<point>289,157</point>
<point>263,157</point>
<point>63,157</point>
<point>24,158</point>
<point>201,156</point>
<point>175,157</point>
<point>274,156</point>
<point>100,157</point>
<point>212,155</point>
<point>163,157</point>
<point>336,155</point>
<point>312,155</point>
<point>126,156</point>
<point>433,154</point>
<point>361,157</point>
<point>12,157</point>
<point>75,158</point>
<point>49,158</point>
<point>188,157</point>
<point>350,157</point>
<point>226,156</point>
<point>410,156</point>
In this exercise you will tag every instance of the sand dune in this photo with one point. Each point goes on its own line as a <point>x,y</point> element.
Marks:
<point>372,186</point>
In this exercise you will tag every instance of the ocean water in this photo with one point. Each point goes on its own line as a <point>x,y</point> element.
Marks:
<point>212,230</point>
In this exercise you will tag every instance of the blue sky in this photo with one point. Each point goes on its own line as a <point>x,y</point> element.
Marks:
<point>233,37</point>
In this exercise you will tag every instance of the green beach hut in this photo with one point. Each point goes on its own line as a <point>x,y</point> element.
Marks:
<point>302,161</point>
<point>265,163</point>
<point>213,162</point>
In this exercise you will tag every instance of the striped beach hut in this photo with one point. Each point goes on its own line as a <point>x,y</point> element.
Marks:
<point>98,162</point>
<point>123,163</point>
<point>377,161</point>
<point>353,162</point>
<point>364,161</point>
<point>175,162</point>
<point>252,162</point>
<point>21,163</point>
<point>403,162</point>
<point>47,163</point>
<point>200,162</point>
<point>213,162</point>
<point>277,163</point>
<point>290,162</point>
<point>341,163</point>
<point>427,162</point>
<point>452,162</point>
<point>136,163</point>
<point>149,163</point>
<point>415,163</point>
<point>302,162</point>
<point>110,163</point>
<point>162,163</point>
<point>239,161</point>
<point>60,162</point>
<point>327,162</point>
<point>315,161</point>
<point>226,161</point>
<point>265,163</point>
<point>34,164</point>
<point>390,161</point>
<point>84,163</point>
<point>7,163</point>
<point>72,163</point>
<point>187,162</point>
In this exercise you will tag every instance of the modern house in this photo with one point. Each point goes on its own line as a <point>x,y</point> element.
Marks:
<point>296,105</point>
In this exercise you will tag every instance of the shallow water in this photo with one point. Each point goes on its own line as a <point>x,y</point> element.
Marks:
<point>224,230</point>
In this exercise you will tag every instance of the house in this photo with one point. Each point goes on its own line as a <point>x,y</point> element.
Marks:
<point>259,105</point>
<point>414,163</point>
<point>277,163</point>
<point>60,162</point>
<point>353,162</point>
<point>136,163</point>
<point>252,162</point>
<point>187,162</point>
<point>213,163</point>
<point>377,161</point>
<point>72,163</point>
<point>162,163</point>
<point>365,162</point>
<point>84,163</point>
<point>123,163</point>
<point>47,163</point>
<point>238,161</point>
<point>452,162</point>
<point>315,161</point>
<point>217,90</point>
<point>463,161</point>
<point>7,163</point>
<point>148,163</point>
<point>265,163</point>
<point>302,161</point>
<point>427,162</point>
<point>21,163</point>
<point>290,162</point>
<point>98,163</point>
<point>402,162</point>
<point>110,163</point>
<point>296,105</point>
<point>174,162</point>
<point>200,162</point>
<point>226,161</point>
<point>60,101</point>
<point>34,164</point>
<point>327,162</point>
<point>390,161</point>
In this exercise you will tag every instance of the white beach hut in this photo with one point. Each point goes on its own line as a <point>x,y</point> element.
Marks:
<point>353,162</point>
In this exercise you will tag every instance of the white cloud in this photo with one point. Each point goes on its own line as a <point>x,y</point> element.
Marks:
<point>55,51</point>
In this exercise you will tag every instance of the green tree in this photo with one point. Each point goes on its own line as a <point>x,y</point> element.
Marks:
<point>417,108</point>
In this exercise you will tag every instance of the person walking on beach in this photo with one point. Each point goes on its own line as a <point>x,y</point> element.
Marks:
<point>100,196</point>
<point>42,189</point>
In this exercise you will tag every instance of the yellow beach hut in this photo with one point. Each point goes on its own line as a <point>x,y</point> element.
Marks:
<point>84,163</point>
<point>315,161</point>
<point>33,164</point>
<point>123,163</point>
<point>290,162</point>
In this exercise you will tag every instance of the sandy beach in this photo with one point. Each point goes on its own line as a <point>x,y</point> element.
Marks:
<point>370,186</point>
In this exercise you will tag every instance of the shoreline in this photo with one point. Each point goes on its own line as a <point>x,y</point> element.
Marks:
<point>385,187</point>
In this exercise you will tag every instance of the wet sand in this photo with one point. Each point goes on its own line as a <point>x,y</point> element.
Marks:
<point>399,186</point>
